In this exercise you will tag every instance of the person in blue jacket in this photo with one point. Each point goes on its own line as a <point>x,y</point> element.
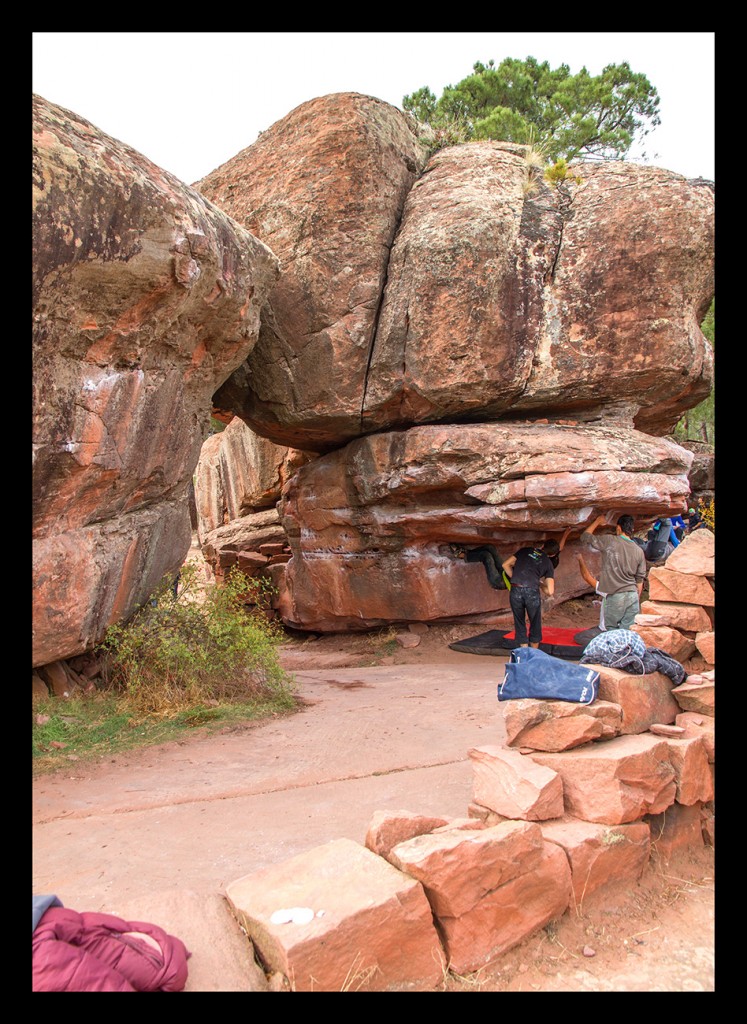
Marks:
<point>679,527</point>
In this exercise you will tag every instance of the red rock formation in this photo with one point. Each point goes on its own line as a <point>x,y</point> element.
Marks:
<point>369,525</point>
<point>324,187</point>
<point>146,297</point>
<point>503,295</point>
<point>239,473</point>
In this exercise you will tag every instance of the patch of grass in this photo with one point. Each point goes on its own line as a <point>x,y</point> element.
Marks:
<point>199,659</point>
<point>383,642</point>
<point>91,727</point>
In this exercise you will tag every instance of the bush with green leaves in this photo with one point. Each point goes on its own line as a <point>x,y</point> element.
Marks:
<point>206,643</point>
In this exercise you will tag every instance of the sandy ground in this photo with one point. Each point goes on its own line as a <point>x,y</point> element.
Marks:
<point>383,727</point>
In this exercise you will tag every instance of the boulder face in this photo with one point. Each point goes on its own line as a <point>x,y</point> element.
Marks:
<point>506,296</point>
<point>324,187</point>
<point>503,296</point>
<point>370,525</point>
<point>146,297</point>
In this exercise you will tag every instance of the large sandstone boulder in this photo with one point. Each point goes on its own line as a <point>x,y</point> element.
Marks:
<point>502,295</point>
<point>502,300</point>
<point>145,298</point>
<point>369,525</point>
<point>324,187</point>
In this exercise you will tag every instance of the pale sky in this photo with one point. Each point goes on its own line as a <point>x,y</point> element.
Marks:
<point>189,101</point>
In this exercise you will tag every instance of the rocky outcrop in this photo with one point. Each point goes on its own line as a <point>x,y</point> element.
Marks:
<point>369,525</point>
<point>702,475</point>
<point>145,298</point>
<point>239,473</point>
<point>503,295</point>
<point>324,187</point>
<point>679,617</point>
<point>461,295</point>
<point>501,301</point>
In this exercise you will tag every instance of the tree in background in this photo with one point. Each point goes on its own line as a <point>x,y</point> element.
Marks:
<point>565,116</point>
<point>698,424</point>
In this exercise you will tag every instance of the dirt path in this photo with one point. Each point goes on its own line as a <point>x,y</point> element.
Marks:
<point>389,731</point>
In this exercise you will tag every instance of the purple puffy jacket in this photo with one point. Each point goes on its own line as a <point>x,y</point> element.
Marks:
<point>90,952</point>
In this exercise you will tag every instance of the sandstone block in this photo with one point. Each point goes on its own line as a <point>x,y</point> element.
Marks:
<point>706,644</point>
<point>510,784</point>
<point>559,725</point>
<point>671,641</point>
<point>407,640</point>
<point>676,829</point>
<point>617,781</point>
<point>371,930</point>
<point>700,698</point>
<point>689,758</point>
<point>388,828</point>
<point>664,584</point>
<point>458,868</point>
<point>600,855</point>
<point>509,914</point>
<point>644,699</point>
<point>688,618</point>
<point>667,730</point>
<point>696,724</point>
<point>695,555</point>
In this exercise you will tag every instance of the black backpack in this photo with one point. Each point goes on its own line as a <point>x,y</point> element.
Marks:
<point>656,546</point>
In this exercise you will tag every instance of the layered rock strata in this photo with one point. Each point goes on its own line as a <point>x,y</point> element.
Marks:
<point>369,525</point>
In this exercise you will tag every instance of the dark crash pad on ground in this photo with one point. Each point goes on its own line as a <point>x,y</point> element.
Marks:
<point>557,641</point>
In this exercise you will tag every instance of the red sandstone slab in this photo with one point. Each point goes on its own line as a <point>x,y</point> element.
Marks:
<point>689,758</point>
<point>617,781</point>
<point>458,868</point>
<point>555,725</point>
<point>509,914</point>
<point>510,784</point>
<point>388,828</point>
<point>644,699</point>
<point>371,930</point>
<point>600,855</point>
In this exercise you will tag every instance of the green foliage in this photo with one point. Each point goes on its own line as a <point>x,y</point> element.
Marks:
<point>570,115</point>
<point>557,174</point>
<point>204,645</point>
<point>89,727</point>
<point>197,660</point>
<point>698,424</point>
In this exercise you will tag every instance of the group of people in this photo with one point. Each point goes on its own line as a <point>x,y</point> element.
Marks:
<point>529,574</point>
